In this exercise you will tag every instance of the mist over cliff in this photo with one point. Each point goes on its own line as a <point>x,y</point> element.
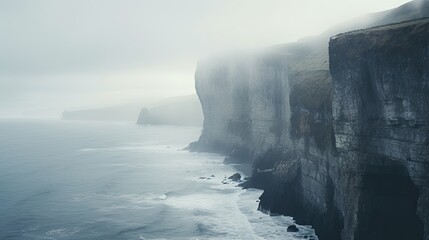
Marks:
<point>78,54</point>
<point>301,120</point>
<point>181,111</point>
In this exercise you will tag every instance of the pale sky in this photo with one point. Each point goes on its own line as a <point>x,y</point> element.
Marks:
<point>57,55</point>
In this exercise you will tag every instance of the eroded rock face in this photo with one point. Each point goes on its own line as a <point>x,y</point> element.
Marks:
<point>244,104</point>
<point>381,112</point>
<point>267,109</point>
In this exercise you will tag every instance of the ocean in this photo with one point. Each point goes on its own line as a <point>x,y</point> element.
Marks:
<point>100,180</point>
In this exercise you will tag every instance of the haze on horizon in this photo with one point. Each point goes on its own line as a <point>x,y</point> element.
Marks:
<point>58,55</point>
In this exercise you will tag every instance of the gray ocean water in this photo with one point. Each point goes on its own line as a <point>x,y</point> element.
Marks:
<point>92,180</point>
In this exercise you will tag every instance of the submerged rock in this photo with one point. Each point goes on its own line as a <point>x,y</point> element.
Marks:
<point>235,177</point>
<point>292,228</point>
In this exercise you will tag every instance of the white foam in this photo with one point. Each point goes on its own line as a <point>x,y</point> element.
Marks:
<point>142,198</point>
<point>53,234</point>
<point>269,227</point>
<point>233,210</point>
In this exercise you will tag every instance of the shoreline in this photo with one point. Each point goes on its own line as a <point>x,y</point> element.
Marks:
<point>246,184</point>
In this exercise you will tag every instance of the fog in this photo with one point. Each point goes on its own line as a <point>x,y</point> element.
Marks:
<point>59,55</point>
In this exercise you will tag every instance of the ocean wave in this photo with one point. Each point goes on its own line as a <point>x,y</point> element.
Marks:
<point>52,234</point>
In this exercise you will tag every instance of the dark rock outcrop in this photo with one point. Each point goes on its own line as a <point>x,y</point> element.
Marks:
<point>235,177</point>
<point>292,228</point>
<point>342,146</point>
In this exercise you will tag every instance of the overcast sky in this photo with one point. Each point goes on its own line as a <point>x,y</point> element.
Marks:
<point>57,55</point>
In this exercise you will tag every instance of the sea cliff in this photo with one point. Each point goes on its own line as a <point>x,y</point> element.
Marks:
<point>381,112</point>
<point>340,144</point>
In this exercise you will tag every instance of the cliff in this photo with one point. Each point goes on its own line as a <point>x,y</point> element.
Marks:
<point>314,130</point>
<point>234,121</point>
<point>234,107</point>
<point>380,110</point>
<point>182,111</point>
<point>267,108</point>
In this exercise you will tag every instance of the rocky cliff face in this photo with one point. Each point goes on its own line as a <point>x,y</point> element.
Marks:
<point>344,149</point>
<point>265,109</point>
<point>243,103</point>
<point>381,112</point>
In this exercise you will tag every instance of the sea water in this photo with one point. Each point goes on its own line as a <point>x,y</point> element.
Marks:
<point>94,180</point>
